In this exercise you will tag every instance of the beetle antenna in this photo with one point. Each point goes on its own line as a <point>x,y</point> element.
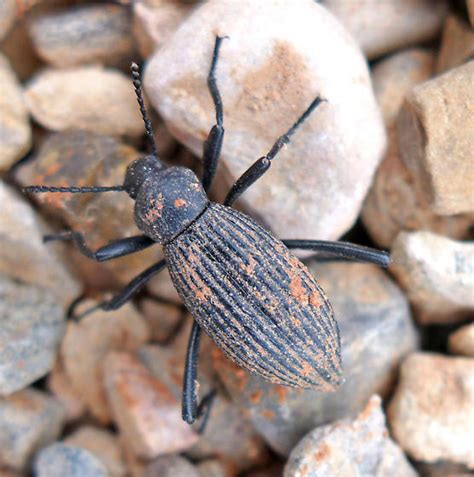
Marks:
<point>36,189</point>
<point>285,139</point>
<point>137,83</point>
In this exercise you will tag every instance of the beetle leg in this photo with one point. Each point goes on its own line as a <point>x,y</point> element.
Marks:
<point>342,250</point>
<point>213,143</point>
<point>128,292</point>
<point>115,249</point>
<point>260,166</point>
<point>191,410</point>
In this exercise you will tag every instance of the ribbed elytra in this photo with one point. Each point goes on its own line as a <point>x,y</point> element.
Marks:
<point>257,301</point>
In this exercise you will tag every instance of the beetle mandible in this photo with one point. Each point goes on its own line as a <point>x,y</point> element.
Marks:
<point>243,286</point>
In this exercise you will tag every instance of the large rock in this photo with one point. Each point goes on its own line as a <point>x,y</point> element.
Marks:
<point>436,142</point>
<point>83,35</point>
<point>90,97</point>
<point>32,325</point>
<point>350,448</point>
<point>376,333</point>
<point>278,58</point>
<point>432,412</point>
<point>15,130</point>
<point>437,274</point>
<point>29,420</point>
<point>391,24</point>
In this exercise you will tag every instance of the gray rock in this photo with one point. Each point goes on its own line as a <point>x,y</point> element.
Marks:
<point>269,72</point>
<point>15,129</point>
<point>83,34</point>
<point>376,333</point>
<point>437,274</point>
<point>171,466</point>
<point>90,97</point>
<point>60,460</point>
<point>29,419</point>
<point>8,11</point>
<point>432,412</point>
<point>350,448</point>
<point>32,325</point>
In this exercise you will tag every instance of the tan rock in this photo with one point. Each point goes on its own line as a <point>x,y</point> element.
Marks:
<point>163,319</point>
<point>457,44</point>
<point>436,141</point>
<point>470,9</point>
<point>24,256</point>
<point>437,274</point>
<point>269,72</point>
<point>462,341</point>
<point>432,412</point>
<point>145,411</point>
<point>90,98</point>
<point>171,466</point>
<point>86,345</point>
<point>391,24</point>
<point>15,130</point>
<point>163,287</point>
<point>84,34</point>
<point>154,21</point>
<point>103,444</point>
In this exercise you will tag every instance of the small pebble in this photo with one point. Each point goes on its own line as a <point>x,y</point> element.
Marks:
<point>32,325</point>
<point>91,98</point>
<point>376,334</point>
<point>29,420</point>
<point>268,73</point>
<point>437,274</point>
<point>457,44</point>
<point>86,345</point>
<point>390,25</point>
<point>462,341</point>
<point>8,12</point>
<point>432,412</point>
<point>15,129</point>
<point>436,142</point>
<point>350,448</point>
<point>60,460</point>
<point>83,35</point>
<point>144,409</point>
<point>103,445</point>
<point>171,466</point>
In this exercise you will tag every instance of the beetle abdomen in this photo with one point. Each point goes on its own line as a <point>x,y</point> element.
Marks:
<point>256,300</point>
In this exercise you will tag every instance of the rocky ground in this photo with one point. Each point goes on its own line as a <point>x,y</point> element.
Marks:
<point>386,162</point>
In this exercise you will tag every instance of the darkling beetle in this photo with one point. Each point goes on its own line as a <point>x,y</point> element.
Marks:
<point>242,285</point>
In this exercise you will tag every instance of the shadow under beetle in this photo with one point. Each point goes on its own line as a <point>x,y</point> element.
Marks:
<point>242,285</point>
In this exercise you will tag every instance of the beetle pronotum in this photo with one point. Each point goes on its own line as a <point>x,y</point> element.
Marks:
<point>242,285</point>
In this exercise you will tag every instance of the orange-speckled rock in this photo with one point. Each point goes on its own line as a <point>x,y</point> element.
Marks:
<point>268,73</point>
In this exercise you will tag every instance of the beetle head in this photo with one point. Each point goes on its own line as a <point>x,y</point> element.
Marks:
<point>140,170</point>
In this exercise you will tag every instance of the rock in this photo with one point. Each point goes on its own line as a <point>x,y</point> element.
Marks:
<point>8,12</point>
<point>84,34</point>
<point>60,386</point>
<point>154,21</point>
<point>457,44</point>
<point>351,448</point>
<point>31,330</point>
<point>376,333</point>
<point>82,158</point>
<point>29,420</point>
<point>470,10</point>
<point>214,468</point>
<point>171,466</point>
<point>443,469</point>
<point>15,130</point>
<point>163,287</point>
<point>164,319</point>
<point>462,341</point>
<point>432,412</point>
<point>91,98</point>
<point>267,79</point>
<point>86,345</point>
<point>58,460</point>
<point>392,25</point>
<point>436,141</point>
<point>437,274</point>
<point>103,445</point>
<point>144,409</point>
<point>24,256</point>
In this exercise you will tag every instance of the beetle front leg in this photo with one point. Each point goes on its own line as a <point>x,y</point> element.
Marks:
<point>191,410</point>
<point>116,249</point>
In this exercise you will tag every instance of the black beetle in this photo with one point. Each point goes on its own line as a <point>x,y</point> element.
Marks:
<point>242,285</point>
